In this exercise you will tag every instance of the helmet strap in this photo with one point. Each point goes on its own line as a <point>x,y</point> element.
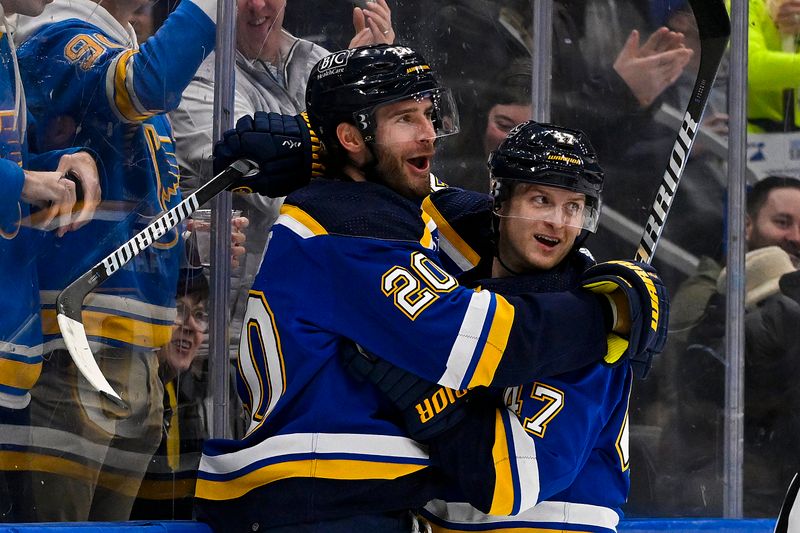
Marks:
<point>502,263</point>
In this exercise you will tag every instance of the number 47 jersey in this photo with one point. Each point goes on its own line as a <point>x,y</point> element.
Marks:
<point>578,423</point>
<point>575,428</point>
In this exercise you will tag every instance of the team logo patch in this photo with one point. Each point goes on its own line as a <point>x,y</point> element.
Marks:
<point>333,63</point>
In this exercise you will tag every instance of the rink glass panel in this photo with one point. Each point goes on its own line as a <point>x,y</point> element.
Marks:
<point>478,48</point>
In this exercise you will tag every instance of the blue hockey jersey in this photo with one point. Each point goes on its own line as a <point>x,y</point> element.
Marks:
<point>92,85</point>
<point>577,429</point>
<point>20,325</point>
<point>357,261</point>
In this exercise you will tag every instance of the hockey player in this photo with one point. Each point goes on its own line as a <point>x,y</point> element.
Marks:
<point>90,83</point>
<point>271,69</point>
<point>546,185</point>
<point>352,256</point>
<point>27,182</point>
<point>546,197</point>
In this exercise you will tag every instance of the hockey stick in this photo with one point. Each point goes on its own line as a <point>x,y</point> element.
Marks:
<point>714,27</point>
<point>789,516</point>
<point>70,301</point>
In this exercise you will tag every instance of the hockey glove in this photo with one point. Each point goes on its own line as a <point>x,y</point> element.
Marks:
<point>638,311</point>
<point>427,409</point>
<point>285,147</point>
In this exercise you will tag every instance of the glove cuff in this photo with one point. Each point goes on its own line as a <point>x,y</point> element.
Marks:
<point>313,156</point>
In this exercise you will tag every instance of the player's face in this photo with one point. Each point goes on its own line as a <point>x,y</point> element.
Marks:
<point>30,8</point>
<point>538,226</point>
<point>258,28</point>
<point>188,334</point>
<point>777,223</point>
<point>404,145</point>
<point>501,119</point>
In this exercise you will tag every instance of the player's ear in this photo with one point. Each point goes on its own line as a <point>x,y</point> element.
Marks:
<point>350,138</point>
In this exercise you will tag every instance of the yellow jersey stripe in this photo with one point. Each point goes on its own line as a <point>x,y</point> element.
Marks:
<point>306,221</point>
<point>167,490</point>
<point>341,469</point>
<point>495,343</point>
<point>503,498</point>
<point>65,467</point>
<point>19,374</point>
<point>427,235</point>
<point>454,243</point>
<point>105,325</point>
<point>122,97</point>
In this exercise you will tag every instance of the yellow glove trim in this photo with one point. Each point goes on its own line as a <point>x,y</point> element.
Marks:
<point>617,346</point>
<point>317,167</point>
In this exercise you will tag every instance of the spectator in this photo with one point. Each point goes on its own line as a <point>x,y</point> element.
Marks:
<point>475,43</point>
<point>509,101</point>
<point>772,73</point>
<point>29,185</point>
<point>93,84</point>
<point>167,490</point>
<point>272,68</point>
<point>610,87</point>
<point>773,240</point>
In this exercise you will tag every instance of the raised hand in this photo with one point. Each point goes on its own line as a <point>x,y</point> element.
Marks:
<point>651,67</point>
<point>373,24</point>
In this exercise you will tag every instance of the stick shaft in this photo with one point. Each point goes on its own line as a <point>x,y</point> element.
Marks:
<point>714,27</point>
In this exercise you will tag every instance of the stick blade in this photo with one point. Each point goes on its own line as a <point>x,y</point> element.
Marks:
<point>789,517</point>
<point>77,344</point>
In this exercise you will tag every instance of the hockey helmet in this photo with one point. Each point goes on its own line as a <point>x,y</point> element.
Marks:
<point>347,86</point>
<point>549,155</point>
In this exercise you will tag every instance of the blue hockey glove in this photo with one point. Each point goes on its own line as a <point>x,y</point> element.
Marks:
<point>639,311</point>
<point>427,409</point>
<point>285,147</point>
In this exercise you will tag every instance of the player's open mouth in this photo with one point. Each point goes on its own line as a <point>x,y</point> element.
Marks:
<point>257,22</point>
<point>420,163</point>
<point>547,241</point>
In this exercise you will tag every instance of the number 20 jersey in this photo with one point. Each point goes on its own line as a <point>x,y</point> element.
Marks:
<point>357,261</point>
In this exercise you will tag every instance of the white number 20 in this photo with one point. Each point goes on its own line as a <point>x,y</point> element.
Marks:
<point>416,288</point>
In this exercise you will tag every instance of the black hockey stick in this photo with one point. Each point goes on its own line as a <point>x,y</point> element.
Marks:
<point>714,27</point>
<point>70,301</point>
<point>788,522</point>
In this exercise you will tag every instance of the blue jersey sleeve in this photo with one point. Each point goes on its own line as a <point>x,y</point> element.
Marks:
<point>395,299</point>
<point>91,72</point>
<point>49,160</point>
<point>12,179</point>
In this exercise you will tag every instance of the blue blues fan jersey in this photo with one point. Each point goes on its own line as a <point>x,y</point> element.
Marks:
<point>92,85</point>
<point>20,326</point>
<point>350,260</point>
<point>576,426</point>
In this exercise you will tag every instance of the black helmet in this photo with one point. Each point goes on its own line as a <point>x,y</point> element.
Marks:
<point>347,86</point>
<point>547,154</point>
